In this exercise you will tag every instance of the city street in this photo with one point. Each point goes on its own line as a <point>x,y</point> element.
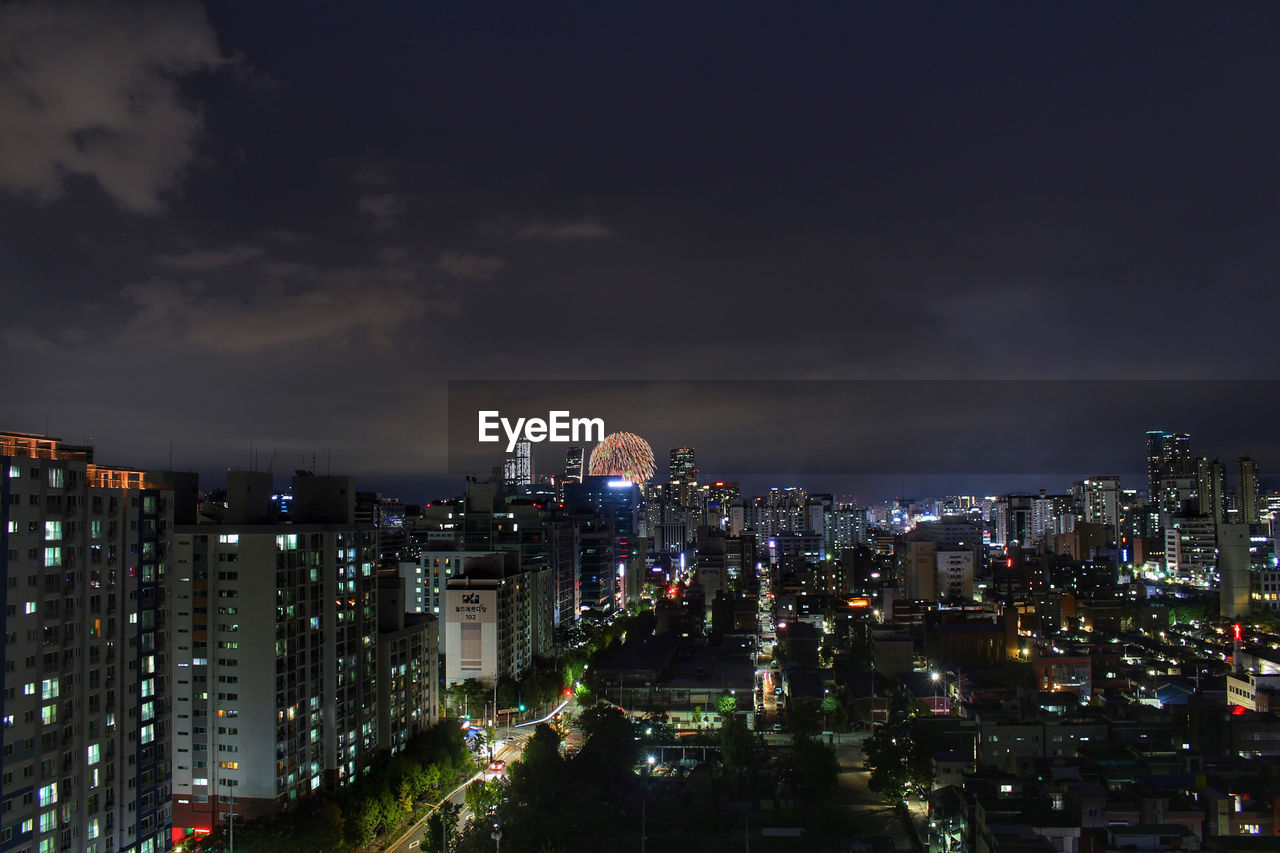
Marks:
<point>513,740</point>
<point>867,810</point>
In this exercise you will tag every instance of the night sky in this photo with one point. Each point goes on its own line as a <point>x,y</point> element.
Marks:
<point>291,224</point>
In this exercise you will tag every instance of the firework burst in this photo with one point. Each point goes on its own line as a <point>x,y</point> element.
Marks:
<point>623,454</point>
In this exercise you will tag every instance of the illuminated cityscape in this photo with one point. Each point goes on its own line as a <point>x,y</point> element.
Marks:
<point>497,428</point>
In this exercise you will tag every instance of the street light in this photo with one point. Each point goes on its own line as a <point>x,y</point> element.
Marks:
<point>496,835</point>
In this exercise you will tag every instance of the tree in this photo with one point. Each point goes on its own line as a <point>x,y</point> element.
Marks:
<point>833,712</point>
<point>727,704</point>
<point>804,716</point>
<point>735,741</point>
<point>815,769</point>
<point>656,728</point>
<point>536,778</point>
<point>899,763</point>
<point>481,796</point>
<point>443,823</point>
<point>696,716</point>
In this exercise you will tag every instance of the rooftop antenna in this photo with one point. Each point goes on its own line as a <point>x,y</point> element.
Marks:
<point>171,454</point>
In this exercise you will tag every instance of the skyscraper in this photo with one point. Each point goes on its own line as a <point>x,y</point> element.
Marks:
<point>1247,490</point>
<point>1170,475</point>
<point>84,692</point>
<point>518,467</point>
<point>1209,487</point>
<point>682,466</point>
<point>573,461</point>
<point>683,474</point>
<point>275,652</point>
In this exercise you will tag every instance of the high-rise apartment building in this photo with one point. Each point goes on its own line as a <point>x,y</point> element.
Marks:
<point>1101,500</point>
<point>496,620</point>
<point>1247,490</point>
<point>408,668</point>
<point>275,653</point>
<point>1210,489</point>
<point>84,691</point>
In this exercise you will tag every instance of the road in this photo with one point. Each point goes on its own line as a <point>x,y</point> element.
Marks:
<point>867,810</point>
<point>513,740</point>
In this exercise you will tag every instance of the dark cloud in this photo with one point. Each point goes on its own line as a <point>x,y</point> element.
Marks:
<point>336,308</point>
<point>383,209</point>
<point>91,89</point>
<point>465,265</point>
<point>206,259</point>
<point>585,229</point>
<point>614,192</point>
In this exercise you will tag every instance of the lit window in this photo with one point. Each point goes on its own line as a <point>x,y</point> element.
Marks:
<point>49,688</point>
<point>52,557</point>
<point>53,530</point>
<point>49,714</point>
<point>48,794</point>
<point>92,754</point>
<point>147,734</point>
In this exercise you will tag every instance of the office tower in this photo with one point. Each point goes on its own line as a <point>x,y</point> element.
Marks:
<point>1012,517</point>
<point>564,557</point>
<point>518,467</point>
<point>1210,488</point>
<point>682,467</point>
<point>619,500</point>
<point>573,462</point>
<point>683,474</point>
<point>1169,469</point>
<point>275,651</point>
<point>597,563</point>
<point>84,697</point>
<point>1247,490</point>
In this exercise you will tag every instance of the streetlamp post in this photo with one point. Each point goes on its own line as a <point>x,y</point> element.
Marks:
<point>496,835</point>
<point>937,676</point>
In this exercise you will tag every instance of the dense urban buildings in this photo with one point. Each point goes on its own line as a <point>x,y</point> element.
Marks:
<point>85,695</point>
<point>286,639</point>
